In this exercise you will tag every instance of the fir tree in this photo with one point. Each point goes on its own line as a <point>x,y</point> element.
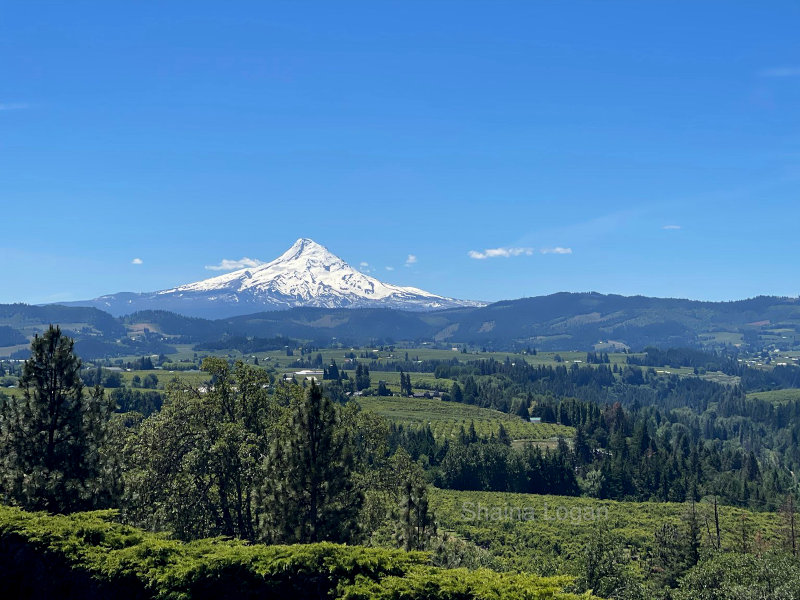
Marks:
<point>455,393</point>
<point>414,520</point>
<point>311,488</point>
<point>52,439</point>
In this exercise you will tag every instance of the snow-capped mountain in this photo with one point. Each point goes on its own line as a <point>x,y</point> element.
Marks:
<point>307,274</point>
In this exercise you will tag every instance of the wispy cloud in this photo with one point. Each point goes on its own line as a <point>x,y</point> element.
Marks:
<point>781,72</point>
<point>364,266</point>
<point>671,227</point>
<point>508,252</point>
<point>499,253</point>
<point>13,106</point>
<point>137,261</point>
<point>411,260</point>
<point>232,265</point>
<point>390,268</point>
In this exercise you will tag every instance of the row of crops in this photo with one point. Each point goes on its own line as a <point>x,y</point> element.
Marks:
<point>446,419</point>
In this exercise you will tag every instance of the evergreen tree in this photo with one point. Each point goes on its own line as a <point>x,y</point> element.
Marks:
<point>333,371</point>
<point>52,439</point>
<point>583,453</point>
<point>502,436</point>
<point>693,535</point>
<point>788,516</point>
<point>667,560</point>
<point>602,567</point>
<point>362,377</point>
<point>414,520</point>
<point>523,409</point>
<point>311,489</point>
<point>455,393</point>
<point>405,384</point>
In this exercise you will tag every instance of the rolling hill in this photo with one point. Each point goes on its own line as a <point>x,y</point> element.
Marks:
<point>556,322</point>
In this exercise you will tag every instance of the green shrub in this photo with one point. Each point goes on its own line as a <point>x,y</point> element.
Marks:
<point>733,576</point>
<point>88,555</point>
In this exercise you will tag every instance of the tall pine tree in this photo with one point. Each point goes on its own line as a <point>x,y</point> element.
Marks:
<point>311,489</point>
<point>52,438</point>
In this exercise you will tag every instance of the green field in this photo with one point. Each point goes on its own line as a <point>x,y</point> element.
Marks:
<point>562,526</point>
<point>193,378</point>
<point>278,358</point>
<point>777,396</point>
<point>447,418</point>
<point>14,392</point>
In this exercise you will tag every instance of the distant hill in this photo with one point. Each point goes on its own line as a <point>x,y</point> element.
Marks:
<point>558,321</point>
<point>568,320</point>
<point>563,321</point>
<point>97,333</point>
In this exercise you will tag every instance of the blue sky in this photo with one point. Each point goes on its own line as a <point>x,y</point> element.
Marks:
<point>513,148</point>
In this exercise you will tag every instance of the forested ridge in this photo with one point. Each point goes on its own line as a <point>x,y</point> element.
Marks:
<point>554,322</point>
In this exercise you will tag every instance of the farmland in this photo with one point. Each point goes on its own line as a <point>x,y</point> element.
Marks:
<point>446,419</point>
<point>559,528</point>
<point>777,396</point>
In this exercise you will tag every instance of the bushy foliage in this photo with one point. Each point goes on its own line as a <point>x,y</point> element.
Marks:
<point>90,553</point>
<point>736,576</point>
<point>194,468</point>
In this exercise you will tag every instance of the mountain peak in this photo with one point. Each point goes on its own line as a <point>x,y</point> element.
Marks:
<point>307,274</point>
<point>309,248</point>
<point>307,245</point>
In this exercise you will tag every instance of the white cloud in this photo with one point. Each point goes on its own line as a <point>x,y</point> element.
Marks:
<point>671,227</point>
<point>137,261</point>
<point>412,259</point>
<point>556,250</point>
<point>499,252</point>
<point>232,265</point>
<point>364,266</point>
<point>781,72</point>
<point>390,268</point>
<point>12,106</point>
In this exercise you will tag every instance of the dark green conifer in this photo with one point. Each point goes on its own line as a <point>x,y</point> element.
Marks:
<point>52,438</point>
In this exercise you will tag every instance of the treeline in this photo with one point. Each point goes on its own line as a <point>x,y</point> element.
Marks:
<point>687,357</point>
<point>641,435</point>
<point>616,454</point>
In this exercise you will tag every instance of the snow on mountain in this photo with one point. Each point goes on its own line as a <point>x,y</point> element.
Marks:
<point>307,274</point>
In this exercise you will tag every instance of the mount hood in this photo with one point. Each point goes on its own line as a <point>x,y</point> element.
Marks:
<point>307,274</point>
